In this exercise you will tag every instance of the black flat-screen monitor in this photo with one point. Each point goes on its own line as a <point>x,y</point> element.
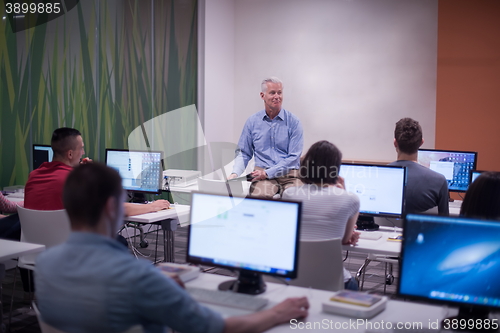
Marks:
<point>251,235</point>
<point>380,188</point>
<point>41,154</point>
<point>455,166</point>
<point>452,260</point>
<point>141,171</point>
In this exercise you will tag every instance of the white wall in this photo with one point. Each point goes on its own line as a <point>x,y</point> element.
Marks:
<point>351,68</point>
<point>218,69</point>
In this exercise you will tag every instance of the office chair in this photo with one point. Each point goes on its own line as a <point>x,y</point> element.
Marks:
<point>49,227</point>
<point>320,265</point>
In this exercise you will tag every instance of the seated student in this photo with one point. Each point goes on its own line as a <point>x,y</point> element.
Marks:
<point>425,188</point>
<point>10,228</point>
<point>43,191</point>
<point>328,210</point>
<point>482,199</point>
<point>92,284</point>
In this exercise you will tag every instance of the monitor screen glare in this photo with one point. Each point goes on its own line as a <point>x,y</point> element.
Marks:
<point>380,188</point>
<point>455,166</point>
<point>141,171</point>
<point>452,260</point>
<point>248,234</point>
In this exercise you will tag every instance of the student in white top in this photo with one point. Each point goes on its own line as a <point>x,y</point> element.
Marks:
<point>328,210</point>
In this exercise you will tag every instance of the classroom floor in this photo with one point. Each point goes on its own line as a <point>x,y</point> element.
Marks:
<point>24,319</point>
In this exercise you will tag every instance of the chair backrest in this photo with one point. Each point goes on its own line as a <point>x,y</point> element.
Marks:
<point>44,327</point>
<point>320,265</point>
<point>47,227</point>
<point>219,187</point>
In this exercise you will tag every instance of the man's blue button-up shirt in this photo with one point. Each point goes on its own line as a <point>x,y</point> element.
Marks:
<point>276,143</point>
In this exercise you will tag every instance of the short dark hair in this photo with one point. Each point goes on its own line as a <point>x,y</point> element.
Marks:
<point>321,164</point>
<point>63,140</point>
<point>408,135</point>
<point>86,191</point>
<point>482,199</point>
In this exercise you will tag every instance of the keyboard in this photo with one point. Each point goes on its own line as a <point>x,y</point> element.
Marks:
<point>371,235</point>
<point>227,298</point>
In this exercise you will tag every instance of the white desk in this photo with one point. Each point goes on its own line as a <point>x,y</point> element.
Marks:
<point>194,187</point>
<point>454,207</point>
<point>379,246</point>
<point>396,311</point>
<point>168,219</point>
<point>184,189</point>
<point>11,250</point>
<point>15,197</point>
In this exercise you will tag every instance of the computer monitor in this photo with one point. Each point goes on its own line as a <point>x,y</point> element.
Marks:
<point>41,154</point>
<point>452,260</point>
<point>141,171</point>
<point>380,188</point>
<point>254,236</point>
<point>473,175</point>
<point>453,165</point>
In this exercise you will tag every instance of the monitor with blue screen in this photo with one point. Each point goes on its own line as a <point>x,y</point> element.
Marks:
<point>380,188</point>
<point>455,166</point>
<point>473,175</point>
<point>141,171</point>
<point>452,260</point>
<point>251,235</point>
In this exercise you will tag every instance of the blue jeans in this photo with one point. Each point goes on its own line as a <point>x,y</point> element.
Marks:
<point>351,284</point>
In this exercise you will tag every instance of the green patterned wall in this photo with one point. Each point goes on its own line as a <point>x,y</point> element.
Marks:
<point>105,67</point>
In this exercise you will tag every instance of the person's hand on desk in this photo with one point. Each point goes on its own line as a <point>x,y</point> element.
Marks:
<point>132,209</point>
<point>354,238</point>
<point>291,308</point>
<point>159,205</point>
<point>232,176</point>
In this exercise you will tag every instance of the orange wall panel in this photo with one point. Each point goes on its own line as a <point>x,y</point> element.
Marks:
<point>468,79</point>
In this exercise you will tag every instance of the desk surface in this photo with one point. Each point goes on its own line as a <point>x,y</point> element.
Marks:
<point>379,246</point>
<point>15,197</point>
<point>11,249</point>
<point>194,187</point>
<point>184,189</point>
<point>396,311</point>
<point>179,212</point>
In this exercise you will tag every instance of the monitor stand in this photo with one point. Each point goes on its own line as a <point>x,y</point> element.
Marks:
<point>366,223</point>
<point>468,315</point>
<point>247,283</point>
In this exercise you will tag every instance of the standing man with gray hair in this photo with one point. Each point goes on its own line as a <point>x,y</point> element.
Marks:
<point>274,137</point>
